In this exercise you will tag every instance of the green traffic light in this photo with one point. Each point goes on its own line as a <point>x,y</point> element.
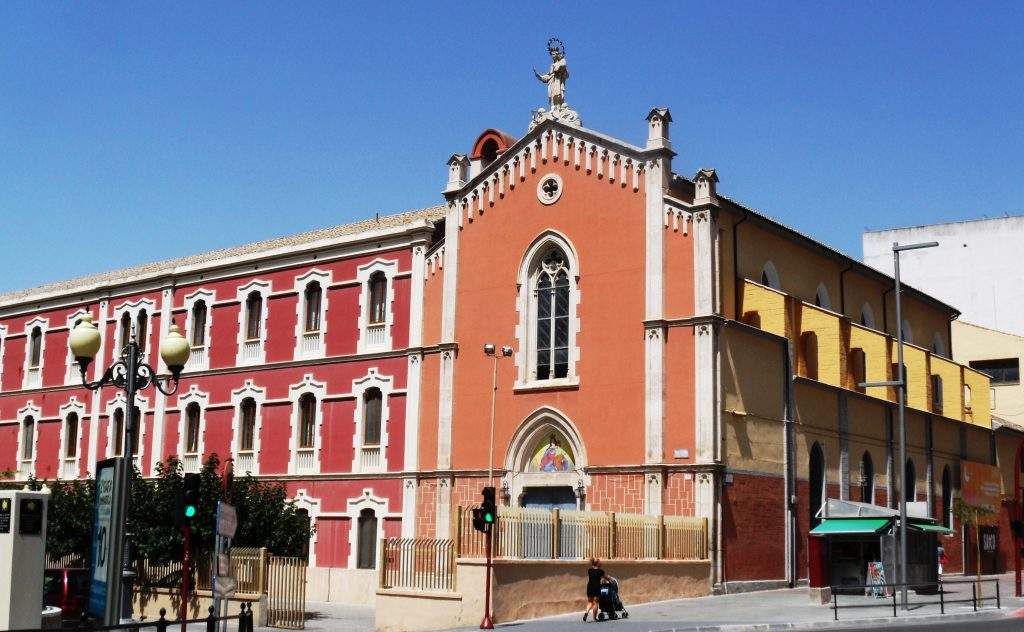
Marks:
<point>190,511</point>
<point>488,517</point>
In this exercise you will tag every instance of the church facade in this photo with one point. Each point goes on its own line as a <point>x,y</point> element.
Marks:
<point>672,352</point>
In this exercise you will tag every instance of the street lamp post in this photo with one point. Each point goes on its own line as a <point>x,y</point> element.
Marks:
<point>506,351</point>
<point>901,387</point>
<point>131,374</point>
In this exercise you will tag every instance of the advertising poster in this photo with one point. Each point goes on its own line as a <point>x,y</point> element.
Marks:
<point>981,486</point>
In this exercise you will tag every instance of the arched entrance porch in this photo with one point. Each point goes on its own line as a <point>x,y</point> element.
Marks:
<point>545,463</point>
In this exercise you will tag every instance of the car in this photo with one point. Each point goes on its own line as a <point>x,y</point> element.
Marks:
<point>67,589</point>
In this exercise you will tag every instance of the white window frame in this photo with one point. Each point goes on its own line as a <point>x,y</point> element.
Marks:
<point>526,306</point>
<point>78,408</point>
<point>3,349</point>
<point>27,379</point>
<point>203,400</point>
<point>199,358</point>
<point>363,274</point>
<point>119,401</point>
<point>259,395</point>
<point>303,500</point>
<point>73,376</point>
<point>319,348</point>
<point>30,410</point>
<point>372,379</point>
<point>264,289</point>
<point>367,500</point>
<point>133,308</point>
<point>295,393</point>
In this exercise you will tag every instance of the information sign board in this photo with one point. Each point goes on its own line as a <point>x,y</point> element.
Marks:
<point>227,520</point>
<point>103,564</point>
<point>5,515</point>
<point>30,517</point>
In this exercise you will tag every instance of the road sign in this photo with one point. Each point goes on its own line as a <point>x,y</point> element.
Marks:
<point>227,520</point>
<point>225,586</point>
<point>223,565</point>
<point>105,559</point>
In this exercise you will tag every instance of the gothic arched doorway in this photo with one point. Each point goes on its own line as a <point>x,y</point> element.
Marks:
<point>545,464</point>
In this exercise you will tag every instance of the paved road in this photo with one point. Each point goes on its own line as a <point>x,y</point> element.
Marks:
<point>1000,625</point>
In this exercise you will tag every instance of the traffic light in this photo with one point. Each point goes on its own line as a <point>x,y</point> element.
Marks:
<point>478,520</point>
<point>188,501</point>
<point>489,507</point>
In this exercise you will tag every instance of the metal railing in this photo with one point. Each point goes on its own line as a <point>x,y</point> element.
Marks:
<point>71,560</point>
<point>286,592</point>
<point>69,468</point>
<point>245,461</point>
<point>305,460</point>
<point>938,587</point>
<point>417,564</point>
<point>190,463</point>
<point>555,534</point>
<point>197,359</point>
<point>244,618</point>
<point>370,458</point>
<point>375,338</point>
<point>251,351</point>
<point>311,343</point>
<point>34,377</point>
<point>248,567</point>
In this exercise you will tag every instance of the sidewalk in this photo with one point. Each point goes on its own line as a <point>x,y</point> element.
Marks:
<point>788,609</point>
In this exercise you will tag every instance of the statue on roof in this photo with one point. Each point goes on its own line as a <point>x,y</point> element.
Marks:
<point>555,79</point>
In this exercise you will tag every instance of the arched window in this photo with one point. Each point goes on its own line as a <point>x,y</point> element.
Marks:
<point>867,479</point>
<point>821,297</point>
<point>816,476</point>
<point>552,326</point>
<point>938,345</point>
<point>809,355</point>
<point>117,433</point>
<point>372,400</point>
<point>858,369</point>
<point>199,324</point>
<point>192,413</point>
<point>867,316</point>
<point>378,297</point>
<point>141,328</point>
<point>947,498</point>
<point>770,277</point>
<point>253,315</point>
<point>71,436</point>
<point>126,328</point>
<point>910,482</point>
<point>312,297</point>
<point>35,348</point>
<point>28,438</point>
<point>367,557</point>
<point>307,420</point>
<point>908,332</point>
<point>248,425</point>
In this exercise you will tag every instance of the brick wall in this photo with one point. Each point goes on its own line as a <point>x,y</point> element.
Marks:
<point>754,528</point>
<point>623,493</point>
<point>678,494</point>
<point>426,509</point>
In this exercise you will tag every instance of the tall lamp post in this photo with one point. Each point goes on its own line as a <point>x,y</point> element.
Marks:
<point>131,374</point>
<point>506,351</point>
<point>901,387</point>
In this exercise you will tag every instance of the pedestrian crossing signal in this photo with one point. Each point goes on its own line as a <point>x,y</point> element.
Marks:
<point>188,501</point>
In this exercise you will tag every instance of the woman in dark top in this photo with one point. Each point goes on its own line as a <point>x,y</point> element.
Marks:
<point>594,575</point>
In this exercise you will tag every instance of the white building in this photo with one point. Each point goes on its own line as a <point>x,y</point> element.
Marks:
<point>976,267</point>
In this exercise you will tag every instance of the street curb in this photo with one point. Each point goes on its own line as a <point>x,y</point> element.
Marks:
<point>842,623</point>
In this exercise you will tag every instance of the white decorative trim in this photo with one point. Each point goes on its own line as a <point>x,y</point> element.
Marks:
<point>303,500</point>
<point>380,510</point>
<point>546,198</point>
<point>363,459</point>
<point>522,447</point>
<point>257,354</point>
<point>72,374</point>
<point>409,486</point>
<point>311,345</point>
<point>199,359</point>
<point>412,411</point>
<point>376,337</point>
<point>94,417</point>
<point>73,406</point>
<point>33,378</point>
<point>259,395</point>
<point>26,467</point>
<point>295,393</point>
<point>192,461</point>
<point>526,306</point>
<point>132,308</point>
<point>3,350</point>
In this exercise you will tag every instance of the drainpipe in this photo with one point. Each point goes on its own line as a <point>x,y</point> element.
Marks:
<point>737,286</point>
<point>885,312</point>
<point>792,573</point>
<point>842,290</point>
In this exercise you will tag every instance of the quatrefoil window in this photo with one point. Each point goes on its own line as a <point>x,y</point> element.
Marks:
<point>549,189</point>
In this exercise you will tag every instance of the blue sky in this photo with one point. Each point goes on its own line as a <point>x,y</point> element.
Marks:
<point>134,131</point>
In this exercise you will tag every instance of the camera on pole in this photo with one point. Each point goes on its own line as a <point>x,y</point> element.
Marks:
<point>188,502</point>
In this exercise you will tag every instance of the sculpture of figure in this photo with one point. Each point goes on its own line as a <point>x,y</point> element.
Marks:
<point>556,76</point>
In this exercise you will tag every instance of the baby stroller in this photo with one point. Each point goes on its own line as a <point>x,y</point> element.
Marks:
<point>609,602</point>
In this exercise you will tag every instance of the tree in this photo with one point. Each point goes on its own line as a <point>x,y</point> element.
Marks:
<point>974,515</point>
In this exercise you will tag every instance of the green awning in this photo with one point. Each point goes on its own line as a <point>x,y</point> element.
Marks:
<point>934,528</point>
<point>843,526</point>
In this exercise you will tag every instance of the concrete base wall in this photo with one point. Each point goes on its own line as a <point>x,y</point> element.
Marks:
<point>525,589</point>
<point>342,585</point>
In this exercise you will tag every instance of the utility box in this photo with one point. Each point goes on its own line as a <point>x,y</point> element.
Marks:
<point>22,558</point>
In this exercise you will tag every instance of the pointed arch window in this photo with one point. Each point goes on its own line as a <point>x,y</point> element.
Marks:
<point>372,401</point>
<point>247,430</point>
<point>142,327</point>
<point>307,421</point>
<point>34,354</point>
<point>552,324</point>
<point>253,315</point>
<point>117,433</point>
<point>28,438</point>
<point>71,436</point>
<point>770,276</point>
<point>125,328</point>
<point>312,296</point>
<point>867,316</point>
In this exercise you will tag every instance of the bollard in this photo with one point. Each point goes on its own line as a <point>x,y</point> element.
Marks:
<point>211,622</point>
<point>835,605</point>
<point>942,599</point>
<point>998,602</point>
<point>83,622</point>
<point>894,600</point>
<point>974,595</point>
<point>161,623</point>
